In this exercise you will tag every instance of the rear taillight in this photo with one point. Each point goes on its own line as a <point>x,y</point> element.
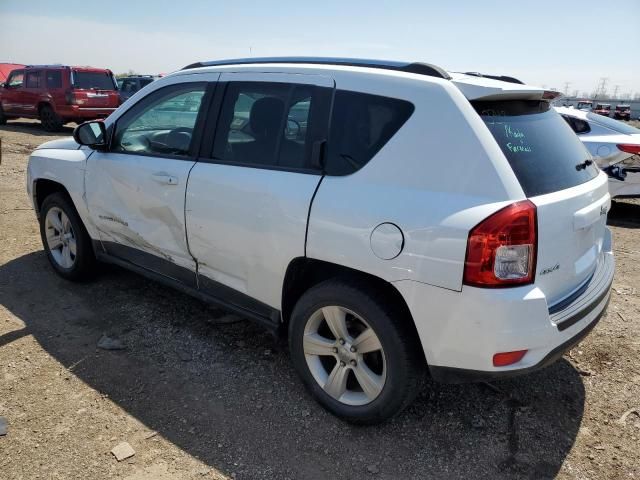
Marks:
<point>501,250</point>
<point>634,149</point>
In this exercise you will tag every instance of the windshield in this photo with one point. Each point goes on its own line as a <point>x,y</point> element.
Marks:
<point>544,153</point>
<point>616,125</point>
<point>93,80</point>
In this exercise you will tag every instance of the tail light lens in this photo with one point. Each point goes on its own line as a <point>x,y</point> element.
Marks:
<point>501,250</point>
<point>634,149</point>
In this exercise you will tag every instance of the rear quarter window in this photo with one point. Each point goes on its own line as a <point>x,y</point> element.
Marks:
<point>361,124</point>
<point>544,153</point>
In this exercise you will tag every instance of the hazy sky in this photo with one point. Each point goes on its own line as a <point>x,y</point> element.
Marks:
<point>539,41</point>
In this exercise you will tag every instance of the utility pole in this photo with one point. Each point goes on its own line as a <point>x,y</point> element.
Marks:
<point>615,91</point>
<point>566,88</point>
<point>602,87</point>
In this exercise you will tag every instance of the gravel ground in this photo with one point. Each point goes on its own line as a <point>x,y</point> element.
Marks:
<point>200,394</point>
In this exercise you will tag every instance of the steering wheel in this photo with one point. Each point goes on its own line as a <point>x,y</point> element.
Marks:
<point>166,147</point>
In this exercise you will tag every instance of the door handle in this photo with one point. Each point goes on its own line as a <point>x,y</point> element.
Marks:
<point>165,178</point>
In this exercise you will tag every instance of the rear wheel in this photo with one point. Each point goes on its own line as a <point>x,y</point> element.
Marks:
<point>355,353</point>
<point>65,239</point>
<point>51,122</point>
<point>3,118</point>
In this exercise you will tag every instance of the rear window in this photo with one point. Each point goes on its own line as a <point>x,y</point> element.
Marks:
<point>544,153</point>
<point>93,80</point>
<point>361,124</point>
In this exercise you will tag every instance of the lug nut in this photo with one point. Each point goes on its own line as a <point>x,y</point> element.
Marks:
<point>353,363</point>
<point>342,364</point>
<point>335,350</point>
<point>341,341</point>
<point>353,349</point>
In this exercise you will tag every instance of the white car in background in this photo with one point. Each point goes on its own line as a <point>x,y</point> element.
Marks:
<point>615,146</point>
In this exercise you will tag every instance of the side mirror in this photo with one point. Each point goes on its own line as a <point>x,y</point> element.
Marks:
<point>91,134</point>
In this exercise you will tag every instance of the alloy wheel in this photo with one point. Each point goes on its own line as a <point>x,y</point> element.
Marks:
<point>61,238</point>
<point>344,355</point>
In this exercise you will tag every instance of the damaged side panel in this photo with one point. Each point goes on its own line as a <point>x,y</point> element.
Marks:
<point>131,208</point>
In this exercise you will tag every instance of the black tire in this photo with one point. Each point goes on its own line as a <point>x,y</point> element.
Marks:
<point>405,364</point>
<point>3,118</point>
<point>51,122</point>
<point>84,261</point>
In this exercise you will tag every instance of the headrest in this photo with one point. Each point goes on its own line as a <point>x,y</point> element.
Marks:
<point>265,117</point>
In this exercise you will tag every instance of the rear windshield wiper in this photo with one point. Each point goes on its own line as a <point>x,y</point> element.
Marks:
<point>585,164</point>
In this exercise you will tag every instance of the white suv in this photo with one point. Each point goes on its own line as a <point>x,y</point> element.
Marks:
<point>390,218</point>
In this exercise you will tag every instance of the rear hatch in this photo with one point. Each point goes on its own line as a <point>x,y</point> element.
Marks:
<point>94,88</point>
<point>557,174</point>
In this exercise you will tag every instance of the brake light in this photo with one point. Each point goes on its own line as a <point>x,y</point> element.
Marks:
<point>625,147</point>
<point>550,95</point>
<point>501,250</point>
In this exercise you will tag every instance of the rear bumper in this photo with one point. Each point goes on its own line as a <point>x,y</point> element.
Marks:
<point>461,331</point>
<point>89,113</point>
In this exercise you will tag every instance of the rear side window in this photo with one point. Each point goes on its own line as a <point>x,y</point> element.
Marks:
<point>577,125</point>
<point>361,124</point>
<point>271,125</point>
<point>145,81</point>
<point>33,80</point>
<point>93,80</point>
<point>54,79</point>
<point>545,154</point>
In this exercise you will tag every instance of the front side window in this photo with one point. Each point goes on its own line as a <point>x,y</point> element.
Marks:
<point>361,124</point>
<point>266,124</point>
<point>162,123</point>
<point>15,79</point>
<point>33,80</point>
<point>54,79</point>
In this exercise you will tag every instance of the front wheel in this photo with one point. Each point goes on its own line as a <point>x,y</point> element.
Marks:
<point>65,239</point>
<point>357,355</point>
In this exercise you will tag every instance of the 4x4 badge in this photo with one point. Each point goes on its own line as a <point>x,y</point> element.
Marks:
<point>550,269</point>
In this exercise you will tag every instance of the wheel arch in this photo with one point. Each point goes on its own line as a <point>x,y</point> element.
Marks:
<point>43,187</point>
<point>303,273</point>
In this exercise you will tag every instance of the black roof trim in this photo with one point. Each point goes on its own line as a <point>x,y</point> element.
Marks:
<point>502,78</point>
<point>52,65</point>
<point>415,67</point>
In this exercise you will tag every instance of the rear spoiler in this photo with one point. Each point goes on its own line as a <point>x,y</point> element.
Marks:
<point>476,86</point>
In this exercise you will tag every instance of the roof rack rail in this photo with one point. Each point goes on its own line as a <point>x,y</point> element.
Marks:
<point>502,78</point>
<point>413,67</point>
<point>45,65</point>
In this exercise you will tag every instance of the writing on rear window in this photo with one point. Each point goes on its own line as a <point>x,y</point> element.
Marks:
<point>540,147</point>
<point>516,135</point>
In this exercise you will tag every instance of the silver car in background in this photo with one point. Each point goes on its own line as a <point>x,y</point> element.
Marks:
<point>614,145</point>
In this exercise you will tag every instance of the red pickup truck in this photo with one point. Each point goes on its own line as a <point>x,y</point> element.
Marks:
<point>58,94</point>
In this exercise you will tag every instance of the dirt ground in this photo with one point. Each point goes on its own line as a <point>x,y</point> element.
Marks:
<point>198,396</point>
